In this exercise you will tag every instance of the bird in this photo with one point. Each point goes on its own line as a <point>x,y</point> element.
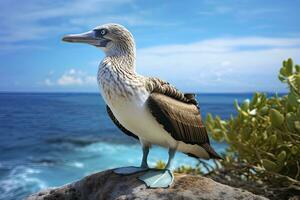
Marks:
<point>148,109</point>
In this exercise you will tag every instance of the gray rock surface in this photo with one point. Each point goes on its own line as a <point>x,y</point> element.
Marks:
<point>107,185</point>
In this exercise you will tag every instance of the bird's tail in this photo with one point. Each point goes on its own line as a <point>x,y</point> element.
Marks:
<point>204,151</point>
<point>212,153</point>
<point>193,150</point>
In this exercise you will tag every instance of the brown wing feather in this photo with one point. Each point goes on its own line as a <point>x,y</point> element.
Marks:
<point>182,120</point>
<point>118,124</point>
<point>163,87</point>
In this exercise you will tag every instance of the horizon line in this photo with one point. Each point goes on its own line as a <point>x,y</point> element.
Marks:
<point>92,92</point>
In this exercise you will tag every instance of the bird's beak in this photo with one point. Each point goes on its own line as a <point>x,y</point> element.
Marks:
<point>87,37</point>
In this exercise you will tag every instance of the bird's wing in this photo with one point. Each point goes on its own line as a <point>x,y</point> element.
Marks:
<point>178,113</point>
<point>118,124</point>
<point>163,87</point>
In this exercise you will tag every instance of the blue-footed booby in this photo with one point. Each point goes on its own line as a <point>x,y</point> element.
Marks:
<point>146,108</point>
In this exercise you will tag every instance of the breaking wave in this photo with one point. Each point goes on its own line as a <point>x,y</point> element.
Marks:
<point>19,182</point>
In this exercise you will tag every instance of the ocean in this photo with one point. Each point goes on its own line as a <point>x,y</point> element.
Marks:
<point>50,139</point>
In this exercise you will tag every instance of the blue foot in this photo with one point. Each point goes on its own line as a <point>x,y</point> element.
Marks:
<point>129,170</point>
<point>155,178</point>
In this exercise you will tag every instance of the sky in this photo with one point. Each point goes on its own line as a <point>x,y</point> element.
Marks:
<point>198,46</point>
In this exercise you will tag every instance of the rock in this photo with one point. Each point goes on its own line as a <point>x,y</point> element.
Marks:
<point>107,185</point>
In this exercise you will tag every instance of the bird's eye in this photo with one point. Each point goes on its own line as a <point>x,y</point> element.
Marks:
<point>103,32</point>
<point>100,32</point>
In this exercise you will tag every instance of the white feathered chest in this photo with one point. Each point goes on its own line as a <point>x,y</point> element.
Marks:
<point>120,88</point>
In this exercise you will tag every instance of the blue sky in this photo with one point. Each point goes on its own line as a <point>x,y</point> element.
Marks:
<point>199,46</point>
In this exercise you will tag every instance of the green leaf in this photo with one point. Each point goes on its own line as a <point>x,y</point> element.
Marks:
<point>217,134</point>
<point>245,105</point>
<point>273,139</point>
<point>292,99</point>
<point>295,150</point>
<point>284,63</point>
<point>255,98</point>
<point>281,157</point>
<point>298,112</point>
<point>289,67</point>
<point>297,67</point>
<point>290,119</point>
<point>283,72</point>
<point>236,105</point>
<point>269,165</point>
<point>218,122</point>
<point>281,78</point>
<point>276,117</point>
<point>244,113</point>
<point>297,125</point>
<point>246,132</point>
<point>264,134</point>
<point>264,110</point>
<point>289,62</point>
<point>297,78</point>
<point>209,118</point>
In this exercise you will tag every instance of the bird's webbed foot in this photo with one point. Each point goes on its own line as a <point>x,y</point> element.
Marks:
<point>129,170</point>
<point>157,178</point>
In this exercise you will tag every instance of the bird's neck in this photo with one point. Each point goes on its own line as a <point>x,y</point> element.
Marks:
<point>123,56</point>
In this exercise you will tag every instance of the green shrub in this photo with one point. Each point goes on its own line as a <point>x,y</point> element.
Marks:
<point>264,137</point>
<point>183,169</point>
<point>160,164</point>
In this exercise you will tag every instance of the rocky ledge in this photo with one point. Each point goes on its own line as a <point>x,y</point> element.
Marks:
<point>107,185</point>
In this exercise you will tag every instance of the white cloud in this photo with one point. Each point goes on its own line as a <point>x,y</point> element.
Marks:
<point>36,20</point>
<point>30,20</point>
<point>72,77</point>
<point>241,10</point>
<point>48,82</point>
<point>75,77</point>
<point>214,65</point>
<point>221,64</point>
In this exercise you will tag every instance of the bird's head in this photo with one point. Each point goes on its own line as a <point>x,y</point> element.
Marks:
<point>111,38</point>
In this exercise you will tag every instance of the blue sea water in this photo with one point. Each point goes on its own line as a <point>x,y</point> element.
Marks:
<point>50,139</point>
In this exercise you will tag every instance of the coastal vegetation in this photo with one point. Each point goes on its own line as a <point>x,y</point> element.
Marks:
<point>263,138</point>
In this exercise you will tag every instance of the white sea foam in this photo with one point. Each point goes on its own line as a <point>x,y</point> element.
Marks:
<point>107,148</point>
<point>108,156</point>
<point>77,164</point>
<point>19,181</point>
